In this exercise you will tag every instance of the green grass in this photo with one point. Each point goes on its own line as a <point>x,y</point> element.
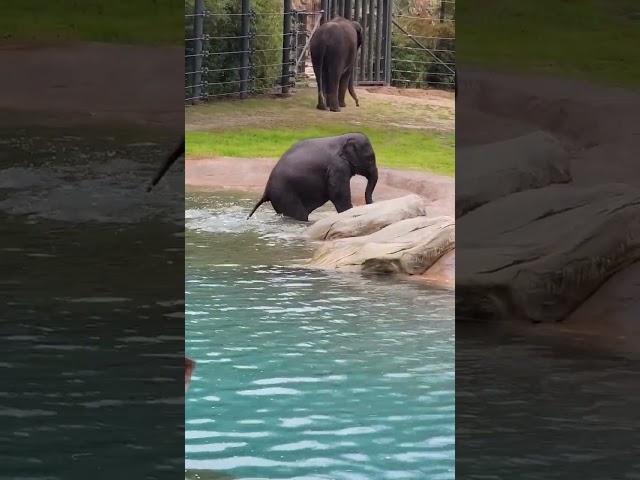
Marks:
<point>113,21</point>
<point>594,40</point>
<point>395,148</point>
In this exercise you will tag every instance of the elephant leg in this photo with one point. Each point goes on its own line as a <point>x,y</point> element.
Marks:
<point>344,83</point>
<point>317,70</point>
<point>332,80</point>
<point>340,190</point>
<point>290,205</point>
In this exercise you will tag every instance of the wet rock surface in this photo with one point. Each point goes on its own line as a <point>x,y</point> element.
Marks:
<point>391,237</point>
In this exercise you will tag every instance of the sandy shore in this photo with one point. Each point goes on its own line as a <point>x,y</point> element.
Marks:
<point>251,175</point>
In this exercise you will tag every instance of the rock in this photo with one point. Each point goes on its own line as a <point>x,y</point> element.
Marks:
<point>539,254</point>
<point>491,171</point>
<point>442,273</point>
<point>409,246</point>
<point>367,219</point>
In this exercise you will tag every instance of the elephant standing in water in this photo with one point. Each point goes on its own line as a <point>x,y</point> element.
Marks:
<point>334,48</point>
<point>177,153</point>
<point>318,170</point>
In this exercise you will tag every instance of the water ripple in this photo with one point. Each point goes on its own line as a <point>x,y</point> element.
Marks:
<point>295,362</point>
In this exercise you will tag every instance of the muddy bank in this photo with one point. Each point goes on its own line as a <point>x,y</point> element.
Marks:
<point>86,84</point>
<point>250,175</point>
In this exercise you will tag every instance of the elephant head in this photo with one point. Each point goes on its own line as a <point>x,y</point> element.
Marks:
<point>358,152</point>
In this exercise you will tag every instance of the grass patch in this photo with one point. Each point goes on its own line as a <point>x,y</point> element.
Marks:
<point>112,21</point>
<point>595,40</point>
<point>395,148</point>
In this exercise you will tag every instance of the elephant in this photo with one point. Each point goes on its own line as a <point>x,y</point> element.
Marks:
<point>318,170</point>
<point>177,153</point>
<point>334,48</point>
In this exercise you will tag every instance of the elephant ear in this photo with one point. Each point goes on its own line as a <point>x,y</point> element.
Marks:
<point>358,29</point>
<point>349,152</point>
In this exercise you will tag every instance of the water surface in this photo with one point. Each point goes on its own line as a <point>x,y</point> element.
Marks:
<point>92,341</point>
<point>307,374</point>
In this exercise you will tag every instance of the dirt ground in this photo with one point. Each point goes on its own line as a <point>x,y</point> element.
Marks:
<point>83,84</point>
<point>431,110</point>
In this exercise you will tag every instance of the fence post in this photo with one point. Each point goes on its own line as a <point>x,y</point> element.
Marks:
<point>347,9</point>
<point>357,9</point>
<point>379,36</point>
<point>363,47</point>
<point>370,46</point>
<point>198,33</point>
<point>388,39</point>
<point>286,47</point>
<point>325,9</point>
<point>245,30</point>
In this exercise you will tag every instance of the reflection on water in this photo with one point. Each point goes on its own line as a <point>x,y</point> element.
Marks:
<point>305,374</point>
<point>92,343</point>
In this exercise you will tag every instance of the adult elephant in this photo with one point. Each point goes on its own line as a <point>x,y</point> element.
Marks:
<point>334,47</point>
<point>176,154</point>
<point>318,170</point>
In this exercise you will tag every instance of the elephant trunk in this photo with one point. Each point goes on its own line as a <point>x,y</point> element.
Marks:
<point>372,179</point>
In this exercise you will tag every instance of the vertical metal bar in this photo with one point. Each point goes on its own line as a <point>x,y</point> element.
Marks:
<point>388,39</point>
<point>348,6</point>
<point>334,8</point>
<point>370,42</point>
<point>245,20</point>
<point>357,14</point>
<point>198,33</point>
<point>286,47</point>
<point>379,36</point>
<point>363,48</point>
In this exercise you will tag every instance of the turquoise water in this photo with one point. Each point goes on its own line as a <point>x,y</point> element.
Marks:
<point>304,374</point>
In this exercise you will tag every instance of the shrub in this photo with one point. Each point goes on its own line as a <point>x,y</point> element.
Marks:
<point>411,65</point>
<point>223,64</point>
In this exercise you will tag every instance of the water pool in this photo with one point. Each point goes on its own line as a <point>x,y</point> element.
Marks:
<point>305,374</point>
<point>88,385</point>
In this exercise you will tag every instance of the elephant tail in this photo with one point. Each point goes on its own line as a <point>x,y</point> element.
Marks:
<point>260,202</point>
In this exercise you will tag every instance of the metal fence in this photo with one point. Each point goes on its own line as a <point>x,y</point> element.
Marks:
<point>423,48</point>
<point>241,51</point>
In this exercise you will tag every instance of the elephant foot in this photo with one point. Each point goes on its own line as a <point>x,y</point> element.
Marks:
<point>321,107</point>
<point>335,109</point>
<point>343,104</point>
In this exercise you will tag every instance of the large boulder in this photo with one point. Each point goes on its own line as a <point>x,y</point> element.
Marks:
<point>409,246</point>
<point>491,171</point>
<point>539,254</point>
<point>367,219</point>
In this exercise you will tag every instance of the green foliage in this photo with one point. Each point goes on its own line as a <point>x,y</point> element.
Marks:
<point>114,21</point>
<point>412,66</point>
<point>224,61</point>
<point>591,39</point>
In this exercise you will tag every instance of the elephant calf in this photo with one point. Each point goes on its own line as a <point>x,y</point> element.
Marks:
<point>334,48</point>
<point>318,170</point>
